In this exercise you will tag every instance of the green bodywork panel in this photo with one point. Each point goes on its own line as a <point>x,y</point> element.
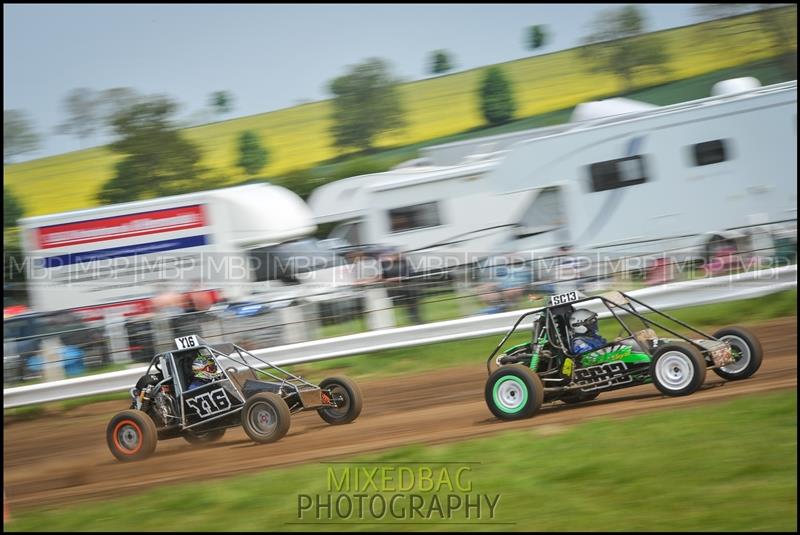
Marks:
<point>616,353</point>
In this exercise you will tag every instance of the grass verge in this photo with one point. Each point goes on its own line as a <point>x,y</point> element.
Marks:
<point>728,466</point>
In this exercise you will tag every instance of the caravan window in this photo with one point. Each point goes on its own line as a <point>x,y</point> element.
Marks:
<point>414,217</point>
<point>619,173</point>
<point>349,232</point>
<point>545,212</point>
<point>709,152</point>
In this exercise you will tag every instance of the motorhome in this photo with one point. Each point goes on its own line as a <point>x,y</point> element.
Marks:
<point>115,259</point>
<point>621,177</point>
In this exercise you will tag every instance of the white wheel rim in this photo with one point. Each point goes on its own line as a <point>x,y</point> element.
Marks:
<point>744,350</point>
<point>510,395</point>
<point>674,370</point>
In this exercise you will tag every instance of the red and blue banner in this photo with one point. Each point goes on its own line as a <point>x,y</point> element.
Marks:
<point>126,250</point>
<point>118,227</point>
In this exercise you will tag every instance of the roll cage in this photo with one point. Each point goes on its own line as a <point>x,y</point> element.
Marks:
<point>556,316</point>
<point>174,368</point>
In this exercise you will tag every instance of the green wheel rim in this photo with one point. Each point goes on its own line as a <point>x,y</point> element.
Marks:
<point>510,394</point>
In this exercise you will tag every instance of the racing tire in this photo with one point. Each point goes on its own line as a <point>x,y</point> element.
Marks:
<point>514,392</point>
<point>266,417</point>
<point>579,397</point>
<point>678,369</point>
<point>200,439</point>
<point>351,394</point>
<point>131,435</point>
<point>749,347</point>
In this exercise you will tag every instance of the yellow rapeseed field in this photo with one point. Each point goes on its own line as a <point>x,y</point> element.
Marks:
<point>298,137</point>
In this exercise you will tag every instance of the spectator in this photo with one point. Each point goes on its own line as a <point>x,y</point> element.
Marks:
<point>73,336</point>
<point>396,272</point>
<point>660,272</point>
<point>363,269</point>
<point>173,306</point>
<point>506,281</point>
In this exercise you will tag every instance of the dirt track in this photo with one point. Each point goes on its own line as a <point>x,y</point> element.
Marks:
<point>64,459</point>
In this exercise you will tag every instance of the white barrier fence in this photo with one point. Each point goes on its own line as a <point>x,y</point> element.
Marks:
<point>668,296</point>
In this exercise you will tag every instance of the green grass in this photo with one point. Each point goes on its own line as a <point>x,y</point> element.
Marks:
<point>728,466</point>
<point>438,307</point>
<point>30,412</point>
<point>298,137</point>
<point>95,370</point>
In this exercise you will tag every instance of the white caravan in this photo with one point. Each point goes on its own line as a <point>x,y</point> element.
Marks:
<point>112,259</point>
<point>672,178</point>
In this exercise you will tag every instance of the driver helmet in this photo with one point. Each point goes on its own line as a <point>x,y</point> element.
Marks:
<point>203,365</point>
<point>583,321</point>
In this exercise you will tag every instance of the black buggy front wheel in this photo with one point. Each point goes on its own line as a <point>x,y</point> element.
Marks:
<point>347,395</point>
<point>514,392</point>
<point>131,436</point>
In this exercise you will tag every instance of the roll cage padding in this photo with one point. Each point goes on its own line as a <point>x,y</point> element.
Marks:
<point>557,328</point>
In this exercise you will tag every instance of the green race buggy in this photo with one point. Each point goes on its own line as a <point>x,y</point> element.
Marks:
<point>545,369</point>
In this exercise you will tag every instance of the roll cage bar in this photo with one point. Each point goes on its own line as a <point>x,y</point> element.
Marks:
<point>612,300</point>
<point>233,352</point>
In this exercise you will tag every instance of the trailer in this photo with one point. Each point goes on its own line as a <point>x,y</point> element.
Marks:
<point>622,178</point>
<point>112,260</point>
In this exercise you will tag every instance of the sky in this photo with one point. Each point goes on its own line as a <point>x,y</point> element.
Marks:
<point>269,56</point>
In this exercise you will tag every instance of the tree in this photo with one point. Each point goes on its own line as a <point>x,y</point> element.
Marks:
<point>366,104</point>
<point>618,45</point>
<point>301,181</point>
<point>252,154</point>
<point>771,27</point>
<point>83,114</point>
<point>18,134</point>
<point>157,160</point>
<point>537,36</point>
<point>221,101</point>
<point>440,62</point>
<point>12,209</point>
<point>497,100</point>
<point>114,101</point>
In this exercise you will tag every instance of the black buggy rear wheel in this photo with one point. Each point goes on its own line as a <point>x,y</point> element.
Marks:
<point>748,347</point>
<point>266,417</point>
<point>351,400</point>
<point>514,392</point>
<point>131,435</point>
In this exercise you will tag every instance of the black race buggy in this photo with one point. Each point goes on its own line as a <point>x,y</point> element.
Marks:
<point>162,406</point>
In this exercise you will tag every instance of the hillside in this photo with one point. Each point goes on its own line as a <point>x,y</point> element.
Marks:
<point>298,137</point>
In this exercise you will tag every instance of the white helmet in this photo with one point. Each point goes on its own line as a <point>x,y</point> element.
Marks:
<point>581,321</point>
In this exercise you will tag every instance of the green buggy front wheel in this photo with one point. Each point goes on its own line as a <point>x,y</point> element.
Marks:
<point>514,392</point>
